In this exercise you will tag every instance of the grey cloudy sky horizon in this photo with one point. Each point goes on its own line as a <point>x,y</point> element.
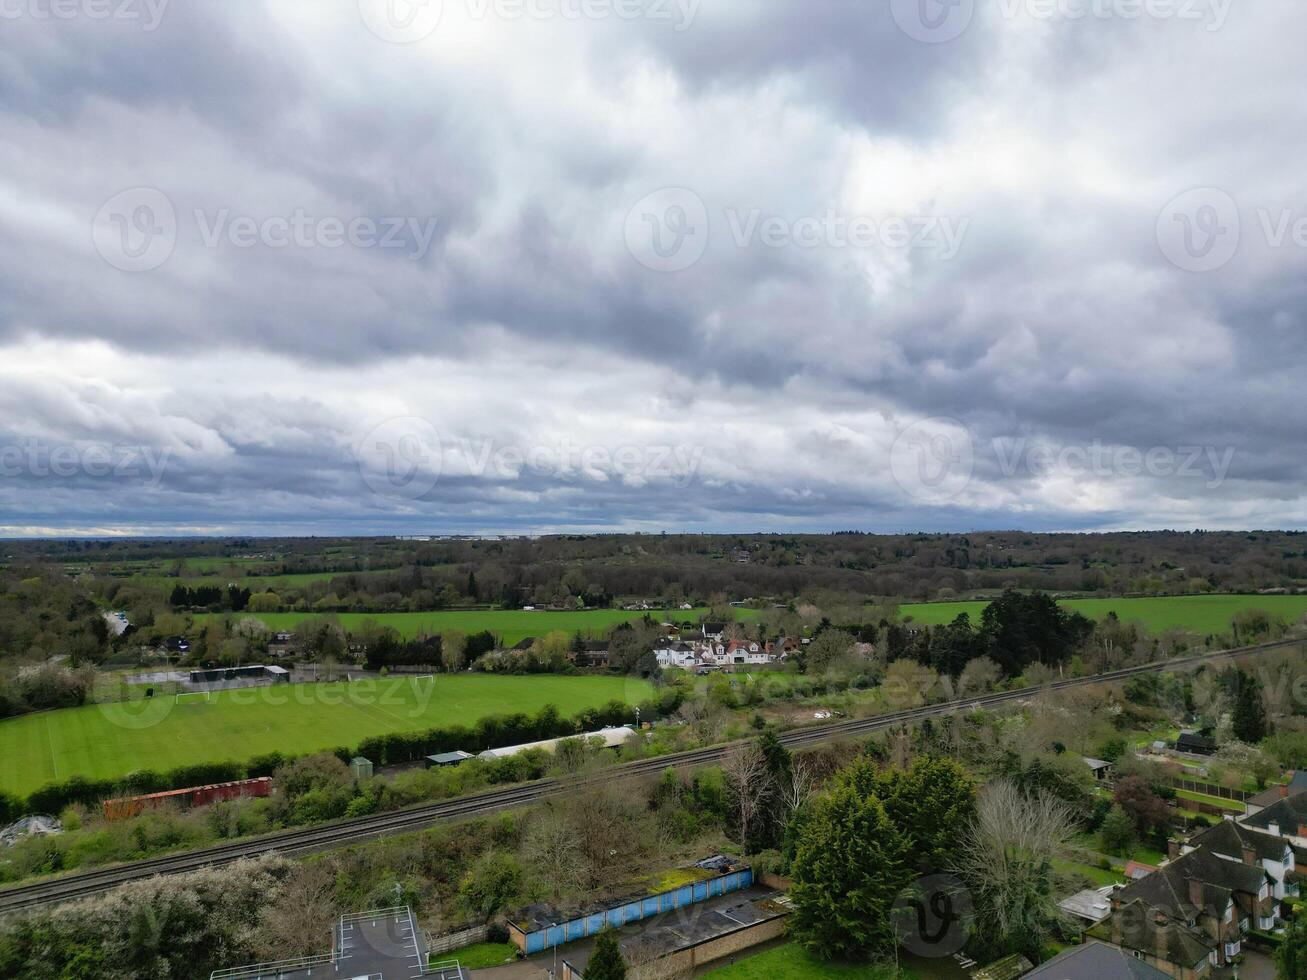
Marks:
<point>377,266</point>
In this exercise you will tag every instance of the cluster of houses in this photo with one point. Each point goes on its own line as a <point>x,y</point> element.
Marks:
<point>713,652</point>
<point>1191,918</point>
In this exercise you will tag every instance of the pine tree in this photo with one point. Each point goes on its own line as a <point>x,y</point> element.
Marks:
<point>1118,831</point>
<point>1249,722</point>
<point>848,868</point>
<point>606,961</point>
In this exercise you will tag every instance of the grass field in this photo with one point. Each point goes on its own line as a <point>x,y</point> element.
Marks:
<point>1200,614</point>
<point>480,956</point>
<point>789,961</point>
<point>510,625</point>
<point>110,740</point>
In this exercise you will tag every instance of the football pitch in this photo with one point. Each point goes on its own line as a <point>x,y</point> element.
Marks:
<point>1201,614</point>
<point>104,741</point>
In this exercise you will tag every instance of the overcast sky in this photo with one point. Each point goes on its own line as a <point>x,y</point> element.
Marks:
<point>532,265</point>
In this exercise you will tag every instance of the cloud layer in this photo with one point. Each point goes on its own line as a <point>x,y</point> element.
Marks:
<point>544,264</point>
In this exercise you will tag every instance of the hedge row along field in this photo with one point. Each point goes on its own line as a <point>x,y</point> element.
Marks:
<point>1201,614</point>
<point>510,625</point>
<point>108,741</point>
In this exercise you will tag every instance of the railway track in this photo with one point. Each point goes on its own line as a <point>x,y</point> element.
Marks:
<point>345,832</point>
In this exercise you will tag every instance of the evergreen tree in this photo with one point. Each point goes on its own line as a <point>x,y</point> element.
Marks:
<point>1291,957</point>
<point>1118,831</point>
<point>1249,722</point>
<point>606,961</point>
<point>848,868</point>
<point>928,803</point>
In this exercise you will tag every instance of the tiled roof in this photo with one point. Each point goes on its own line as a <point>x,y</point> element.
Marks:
<point>1095,961</point>
<point>1137,926</point>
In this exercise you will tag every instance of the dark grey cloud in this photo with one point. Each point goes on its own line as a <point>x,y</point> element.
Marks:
<point>522,303</point>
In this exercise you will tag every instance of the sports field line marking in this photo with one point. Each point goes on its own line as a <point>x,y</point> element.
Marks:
<point>49,741</point>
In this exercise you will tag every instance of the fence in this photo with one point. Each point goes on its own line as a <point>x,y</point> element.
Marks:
<point>457,940</point>
<point>538,940</point>
<point>1210,789</point>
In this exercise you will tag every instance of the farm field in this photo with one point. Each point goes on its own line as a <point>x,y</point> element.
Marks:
<point>1199,614</point>
<point>111,740</point>
<point>255,583</point>
<point>510,625</point>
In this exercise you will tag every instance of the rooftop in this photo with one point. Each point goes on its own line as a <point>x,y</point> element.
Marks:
<point>1094,961</point>
<point>383,944</point>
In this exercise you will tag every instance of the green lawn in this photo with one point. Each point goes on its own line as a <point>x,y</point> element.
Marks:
<point>1200,614</point>
<point>1217,801</point>
<point>480,956</point>
<point>1099,876</point>
<point>510,625</point>
<point>791,962</point>
<point>110,740</point>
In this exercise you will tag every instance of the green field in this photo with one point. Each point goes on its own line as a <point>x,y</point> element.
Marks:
<point>1200,614</point>
<point>789,961</point>
<point>111,740</point>
<point>510,625</point>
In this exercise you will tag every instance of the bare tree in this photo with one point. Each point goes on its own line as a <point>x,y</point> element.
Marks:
<point>745,772</point>
<point>553,846</point>
<point>797,790</point>
<point>1007,858</point>
<point>298,921</point>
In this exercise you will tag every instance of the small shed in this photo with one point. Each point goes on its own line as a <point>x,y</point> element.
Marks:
<point>1101,769</point>
<point>360,768</point>
<point>1195,743</point>
<point>448,759</point>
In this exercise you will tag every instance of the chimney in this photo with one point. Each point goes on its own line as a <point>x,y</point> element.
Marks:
<point>1160,933</point>
<point>1284,791</point>
<point>1172,848</point>
<point>1195,894</point>
<point>1249,856</point>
